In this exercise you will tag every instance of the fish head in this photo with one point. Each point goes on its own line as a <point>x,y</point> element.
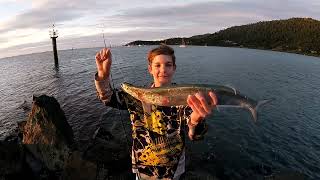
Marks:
<point>132,90</point>
<point>128,88</point>
<point>125,86</point>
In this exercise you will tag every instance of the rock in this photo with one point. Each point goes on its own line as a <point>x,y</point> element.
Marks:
<point>78,169</point>
<point>47,134</point>
<point>43,147</point>
<point>11,157</point>
<point>117,157</point>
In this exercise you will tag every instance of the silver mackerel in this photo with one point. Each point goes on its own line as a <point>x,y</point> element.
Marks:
<point>176,95</point>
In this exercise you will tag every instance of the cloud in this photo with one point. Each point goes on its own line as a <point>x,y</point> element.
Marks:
<point>280,9</point>
<point>174,15</point>
<point>207,17</point>
<point>3,40</point>
<point>123,21</point>
<point>44,13</point>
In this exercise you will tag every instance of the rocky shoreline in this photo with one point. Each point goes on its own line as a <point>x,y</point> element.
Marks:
<point>43,147</point>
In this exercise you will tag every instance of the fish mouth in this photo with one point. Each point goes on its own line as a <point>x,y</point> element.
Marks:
<point>124,85</point>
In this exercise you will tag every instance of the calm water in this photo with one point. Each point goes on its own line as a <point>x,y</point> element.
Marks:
<point>287,136</point>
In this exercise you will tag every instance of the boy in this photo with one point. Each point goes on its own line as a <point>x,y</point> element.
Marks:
<point>157,131</point>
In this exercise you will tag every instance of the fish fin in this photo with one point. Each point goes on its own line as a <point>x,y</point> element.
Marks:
<point>254,114</point>
<point>218,109</point>
<point>254,111</point>
<point>234,89</point>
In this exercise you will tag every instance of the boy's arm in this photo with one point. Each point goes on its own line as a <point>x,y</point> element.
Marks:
<point>109,97</point>
<point>195,131</point>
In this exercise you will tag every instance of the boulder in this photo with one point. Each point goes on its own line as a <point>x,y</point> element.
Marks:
<point>47,134</point>
<point>45,143</point>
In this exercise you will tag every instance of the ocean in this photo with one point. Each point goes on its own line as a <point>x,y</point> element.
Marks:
<point>285,138</point>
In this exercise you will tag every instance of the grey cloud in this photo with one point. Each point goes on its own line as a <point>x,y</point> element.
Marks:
<point>217,14</point>
<point>161,22</point>
<point>207,17</point>
<point>275,9</point>
<point>55,11</point>
<point>220,14</point>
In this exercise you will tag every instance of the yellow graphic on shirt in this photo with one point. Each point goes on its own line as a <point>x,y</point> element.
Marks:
<point>154,123</point>
<point>159,153</point>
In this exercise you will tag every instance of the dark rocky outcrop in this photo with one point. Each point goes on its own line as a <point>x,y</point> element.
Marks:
<point>43,147</point>
<point>47,134</point>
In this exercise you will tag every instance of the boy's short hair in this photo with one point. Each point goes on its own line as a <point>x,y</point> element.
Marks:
<point>164,50</point>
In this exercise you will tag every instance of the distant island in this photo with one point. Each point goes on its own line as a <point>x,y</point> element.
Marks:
<point>294,35</point>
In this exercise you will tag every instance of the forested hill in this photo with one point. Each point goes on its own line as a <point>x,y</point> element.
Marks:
<point>297,35</point>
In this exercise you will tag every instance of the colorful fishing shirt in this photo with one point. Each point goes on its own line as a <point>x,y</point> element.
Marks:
<point>158,133</point>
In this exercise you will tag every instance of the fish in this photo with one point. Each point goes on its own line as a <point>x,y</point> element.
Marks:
<point>176,95</point>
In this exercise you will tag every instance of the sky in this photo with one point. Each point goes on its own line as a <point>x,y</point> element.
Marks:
<point>25,24</point>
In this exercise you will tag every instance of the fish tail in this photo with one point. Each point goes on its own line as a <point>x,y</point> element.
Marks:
<point>254,111</point>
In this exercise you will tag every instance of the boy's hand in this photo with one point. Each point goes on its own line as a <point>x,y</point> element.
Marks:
<point>103,61</point>
<point>201,106</point>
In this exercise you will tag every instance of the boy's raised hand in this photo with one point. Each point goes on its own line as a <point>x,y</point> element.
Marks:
<point>201,106</point>
<point>103,61</point>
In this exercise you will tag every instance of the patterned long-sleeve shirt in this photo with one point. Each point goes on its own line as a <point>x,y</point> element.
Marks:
<point>157,132</point>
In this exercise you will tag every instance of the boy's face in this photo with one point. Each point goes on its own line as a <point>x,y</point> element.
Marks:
<point>162,70</point>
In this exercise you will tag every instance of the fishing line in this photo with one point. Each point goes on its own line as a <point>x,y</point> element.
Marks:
<point>124,129</point>
<point>113,89</point>
<point>104,40</point>
<point>118,64</point>
<point>131,153</point>
<point>119,68</point>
